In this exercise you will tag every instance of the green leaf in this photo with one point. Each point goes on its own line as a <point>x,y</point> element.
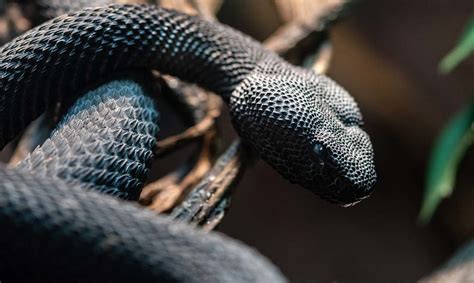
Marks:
<point>461,51</point>
<point>448,151</point>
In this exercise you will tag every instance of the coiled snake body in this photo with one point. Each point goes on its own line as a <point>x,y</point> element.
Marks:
<point>303,124</point>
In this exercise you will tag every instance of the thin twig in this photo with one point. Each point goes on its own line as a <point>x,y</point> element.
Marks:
<point>302,34</point>
<point>201,128</point>
<point>203,109</point>
<point>217,214</point>
<point>165,193</point>
<point>319,61</point>
<point>208,193</point>
<point>36,133</point>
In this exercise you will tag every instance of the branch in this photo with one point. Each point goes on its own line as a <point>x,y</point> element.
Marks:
<point>459,269</point>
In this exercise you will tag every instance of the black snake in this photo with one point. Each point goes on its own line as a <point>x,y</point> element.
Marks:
<point>303,124</point>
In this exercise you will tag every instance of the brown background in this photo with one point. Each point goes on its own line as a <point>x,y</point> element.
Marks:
<point>386,54</point>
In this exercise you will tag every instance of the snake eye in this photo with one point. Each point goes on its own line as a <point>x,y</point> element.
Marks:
<point>320,150</point>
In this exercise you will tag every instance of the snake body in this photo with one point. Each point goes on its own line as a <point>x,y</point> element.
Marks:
<point>303,124</point>
<point>104,143</point>
<point>68,234</point>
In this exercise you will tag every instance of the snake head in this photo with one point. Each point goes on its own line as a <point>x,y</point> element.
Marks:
<point>308,128</point>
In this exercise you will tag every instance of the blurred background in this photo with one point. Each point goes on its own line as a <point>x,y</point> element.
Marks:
<point>386,54</point>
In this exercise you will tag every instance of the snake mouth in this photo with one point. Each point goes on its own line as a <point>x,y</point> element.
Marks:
<point>344,193</point>
<point>337,189</point>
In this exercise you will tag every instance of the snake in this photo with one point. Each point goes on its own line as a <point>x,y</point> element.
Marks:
<point>64,199</point>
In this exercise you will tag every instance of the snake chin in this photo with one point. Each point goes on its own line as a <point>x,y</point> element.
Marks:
<point>308,128</point>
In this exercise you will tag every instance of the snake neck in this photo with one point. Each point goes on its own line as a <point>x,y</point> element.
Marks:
<point>212,55</point>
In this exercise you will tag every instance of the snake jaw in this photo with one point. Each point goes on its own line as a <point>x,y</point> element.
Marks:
<point>284,114</point>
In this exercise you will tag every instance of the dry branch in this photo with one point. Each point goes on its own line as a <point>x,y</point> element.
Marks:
<point>459,269</point>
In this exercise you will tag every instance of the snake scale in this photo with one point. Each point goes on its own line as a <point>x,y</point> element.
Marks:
<point>303,124</point>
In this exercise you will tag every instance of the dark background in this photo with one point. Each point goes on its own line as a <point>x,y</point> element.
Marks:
<point>386,54</point>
